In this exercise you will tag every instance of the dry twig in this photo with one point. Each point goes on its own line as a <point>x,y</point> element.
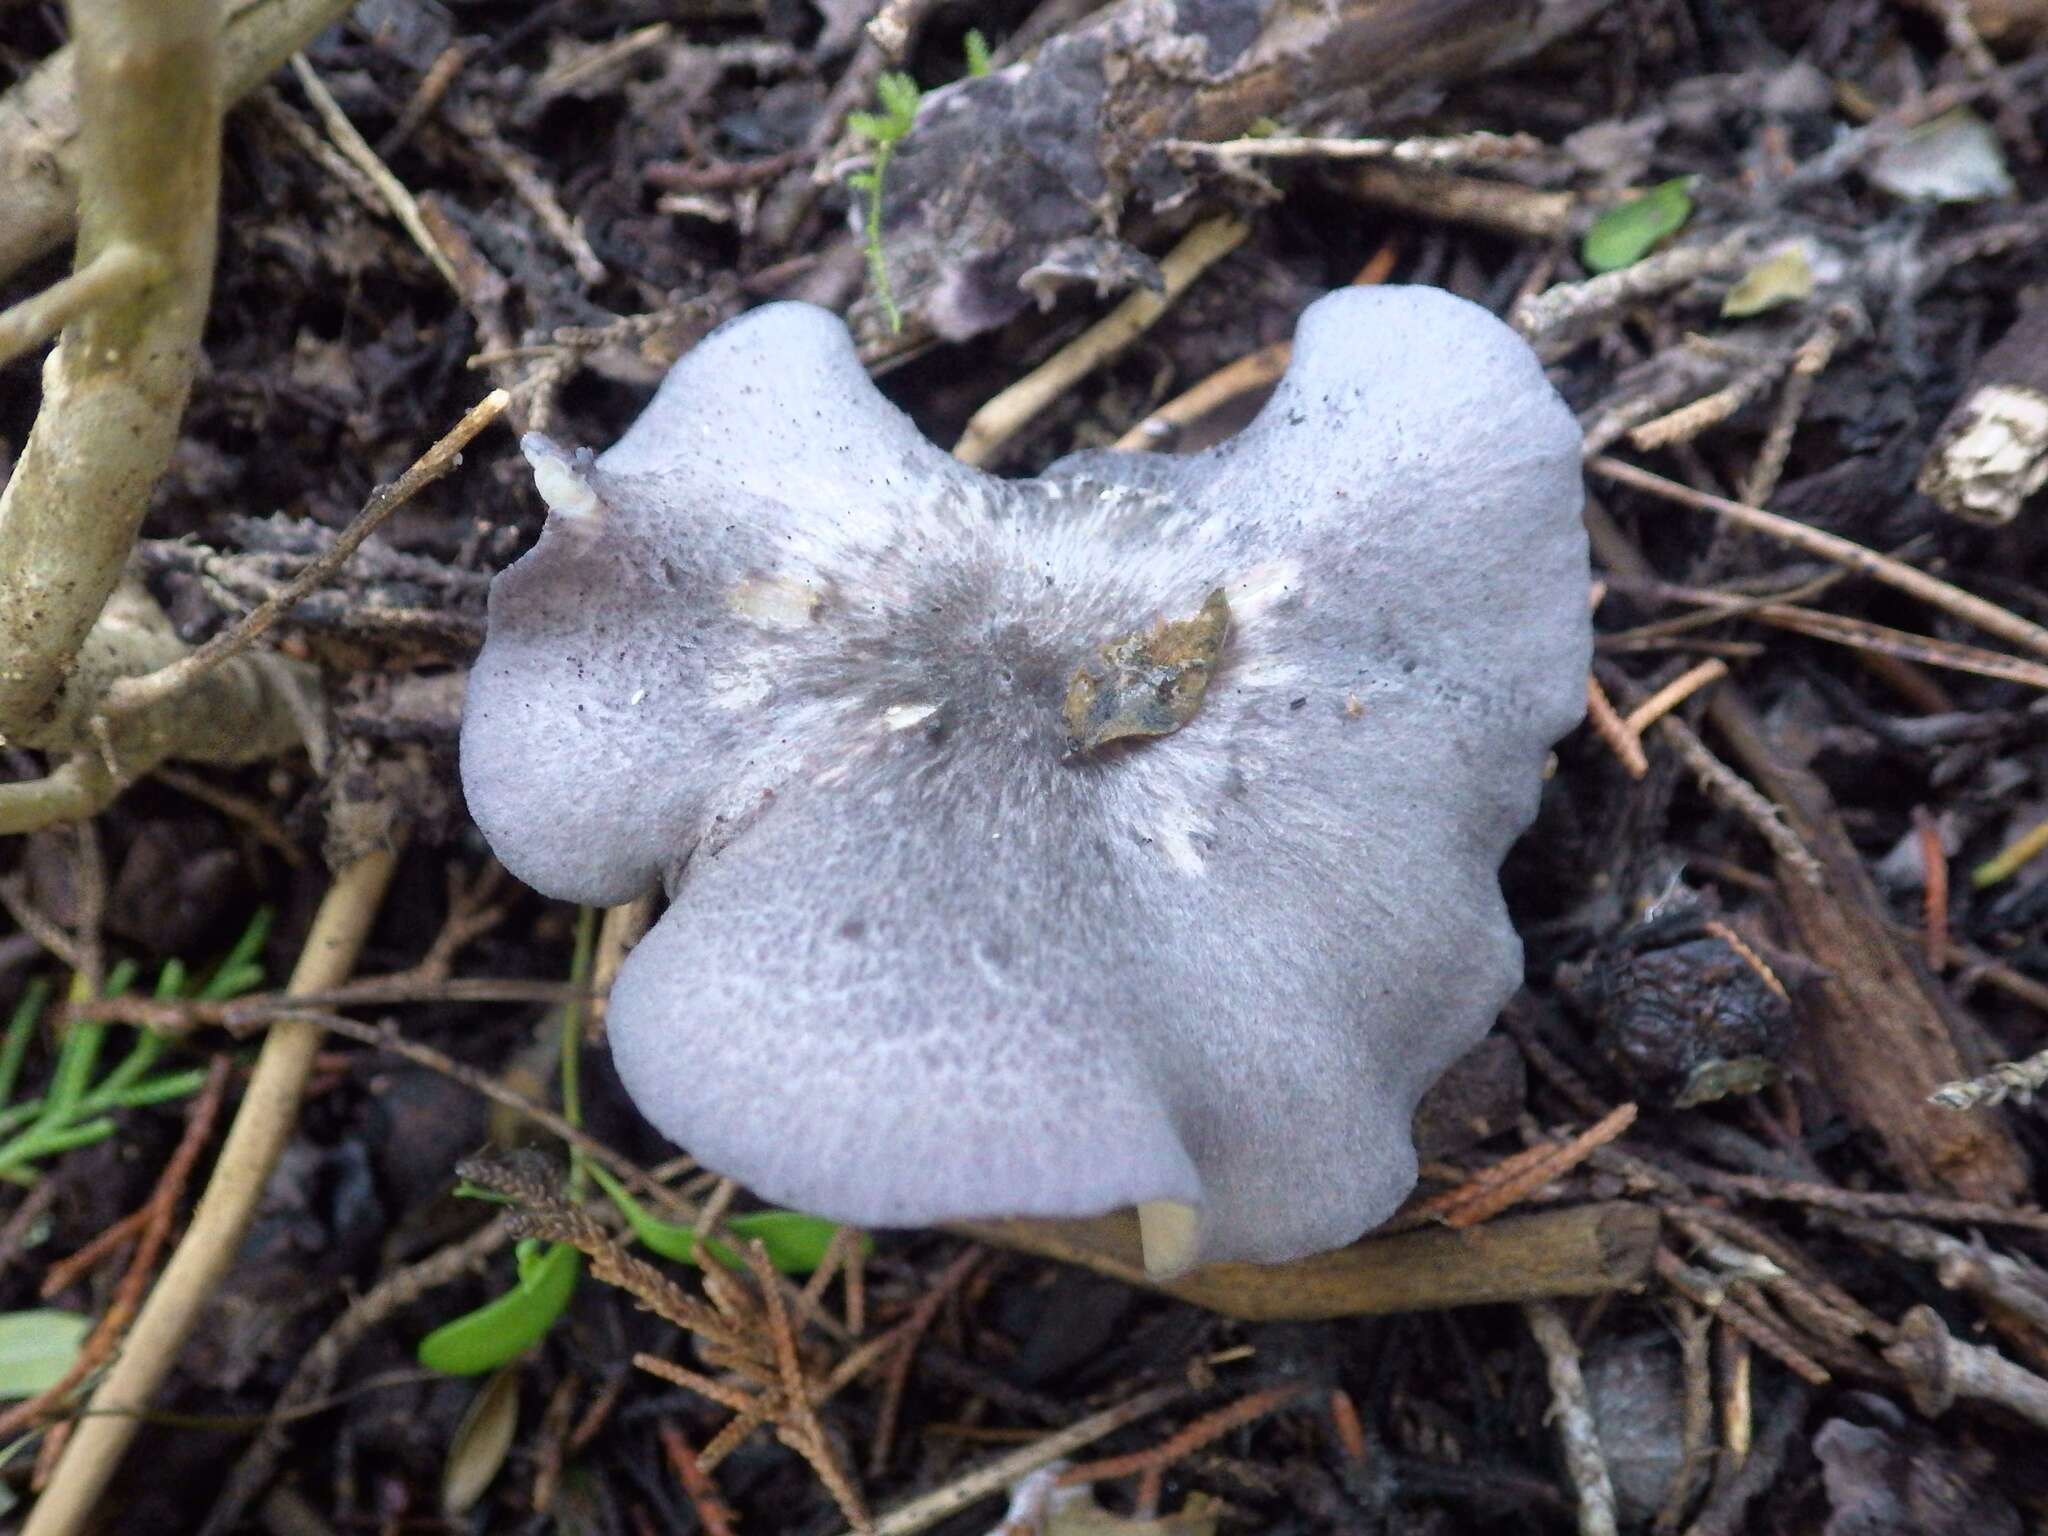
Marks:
<point>1572,1413</point>
<point>1003,417</point>
<point>268,1112</point>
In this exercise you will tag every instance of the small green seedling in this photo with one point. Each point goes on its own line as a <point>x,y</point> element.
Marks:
<point>504,1329</point>
<point>77,1111</point>
<point>1623,236</point>
<point>978,61</point>
<point>796,1243</point>
<point>898,95</point>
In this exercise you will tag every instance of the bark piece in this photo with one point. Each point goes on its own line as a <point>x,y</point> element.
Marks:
<point>1879,1018</point>
<point>1581,1250</point>
<point>1991,454</point>
<point>1014,181</point>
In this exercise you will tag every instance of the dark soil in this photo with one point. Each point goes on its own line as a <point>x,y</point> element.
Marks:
<point>1675,951</point>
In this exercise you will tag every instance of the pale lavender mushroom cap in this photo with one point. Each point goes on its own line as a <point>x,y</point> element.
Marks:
<point>778,655</point>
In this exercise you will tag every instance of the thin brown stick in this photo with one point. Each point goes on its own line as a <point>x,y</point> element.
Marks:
<point>1716,1298</point>
<point>1674,693</point>
<point>1512,1180</point>
<point>1880,639</point>
<point>385,1037</point>
<point>134,693</point>
<point>950,1280</point>
<point>1613,730</point>
<point>313,1378</point>
<point>1950,599</point>
<point>1724,784</point>
<point>1208,1428</point>
<point>68,1271</point>
<point>1934,891</point>
<point>713,1513</point>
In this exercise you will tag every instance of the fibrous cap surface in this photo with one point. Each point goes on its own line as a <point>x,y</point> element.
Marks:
<point>798,668</point>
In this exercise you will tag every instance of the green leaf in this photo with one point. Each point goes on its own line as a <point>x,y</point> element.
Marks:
<point>502,1330</point>
<point>978,61</point>
<point>796,1243</point>
<point>1623,236</point>
<point>37,1348</point>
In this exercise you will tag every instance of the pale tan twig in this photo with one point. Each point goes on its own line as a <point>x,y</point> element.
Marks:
<point>992,1477</point>
<point>1815,353</point>
<point>1255,370</point>
<point>404,207</point>
<point>2019,1080</point>
<point>148,86</point>
<point>115,274</point>
<point>1452,149</point>
<point>264,1122</point>
<point>531,188</point>
<point>1003,417</point>
<point>1673,694</point>
<point>1571,1411</point>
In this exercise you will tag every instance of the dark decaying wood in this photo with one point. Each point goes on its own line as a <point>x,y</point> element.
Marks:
<point>1020,181</point>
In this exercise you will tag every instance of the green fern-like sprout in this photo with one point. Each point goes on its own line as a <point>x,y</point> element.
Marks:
<point>978,61</point>
<point>78,1107</point>
<point>897,95</point>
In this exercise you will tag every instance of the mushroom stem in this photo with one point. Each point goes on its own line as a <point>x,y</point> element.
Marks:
<point>1167,1232</point>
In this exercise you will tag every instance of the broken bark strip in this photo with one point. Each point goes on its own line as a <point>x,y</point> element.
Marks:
<point>1882,1021</point>
<point>1579,1250</point>
<point>1991,453</point>
<point>1016,182</point>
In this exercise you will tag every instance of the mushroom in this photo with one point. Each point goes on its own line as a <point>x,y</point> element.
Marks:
<point>1126,836</point>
